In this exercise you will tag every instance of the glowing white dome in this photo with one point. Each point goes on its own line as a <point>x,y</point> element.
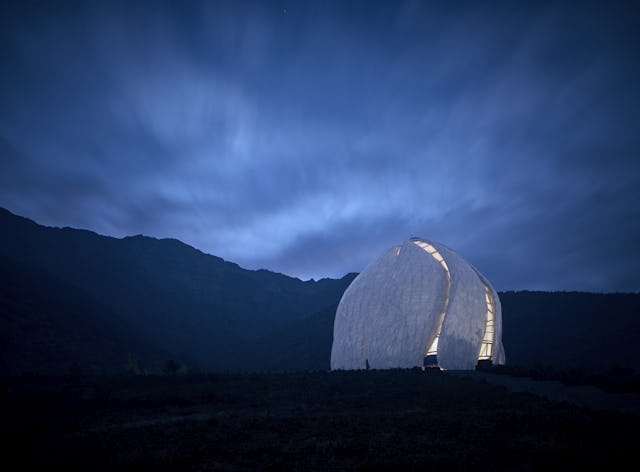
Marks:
<point>418,304</point>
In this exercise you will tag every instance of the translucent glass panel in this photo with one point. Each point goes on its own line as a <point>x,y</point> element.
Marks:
<point>486,348</point>
<point>434,252</point>
<point>433,349</point>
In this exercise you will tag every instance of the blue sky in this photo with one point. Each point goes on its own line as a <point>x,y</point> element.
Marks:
<point>306,137</point>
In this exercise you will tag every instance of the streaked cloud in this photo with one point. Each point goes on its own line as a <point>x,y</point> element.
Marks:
<point>307,141</point>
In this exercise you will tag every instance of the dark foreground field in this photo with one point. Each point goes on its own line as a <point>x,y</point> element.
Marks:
<point>342,420</point>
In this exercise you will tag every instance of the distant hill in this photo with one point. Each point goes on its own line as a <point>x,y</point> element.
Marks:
<point>591,331</point>
<point>49,326</point>
<point>73,297</point>
<point>203,310</point>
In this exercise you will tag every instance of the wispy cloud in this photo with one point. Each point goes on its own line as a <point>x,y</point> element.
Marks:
<point>308,141</point>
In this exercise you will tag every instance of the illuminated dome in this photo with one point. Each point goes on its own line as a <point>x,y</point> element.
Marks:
<point>418,304</point>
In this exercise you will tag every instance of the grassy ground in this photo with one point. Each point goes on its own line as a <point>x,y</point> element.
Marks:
<point>402,419</point>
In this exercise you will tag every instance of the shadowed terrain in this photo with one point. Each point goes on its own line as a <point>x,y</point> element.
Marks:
<point>204,311</point>
<point>312,421</point>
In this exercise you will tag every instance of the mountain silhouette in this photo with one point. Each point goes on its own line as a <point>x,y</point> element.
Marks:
<point>50,326</point>
<point>75,299</point>
<point>571,330</point>
<point>205,311</point>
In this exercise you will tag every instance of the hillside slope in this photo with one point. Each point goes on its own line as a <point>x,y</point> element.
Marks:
<point>49,326</point>
<point>590,331</point>
<point>206,311</point>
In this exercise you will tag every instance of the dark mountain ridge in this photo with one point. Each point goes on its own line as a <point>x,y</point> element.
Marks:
<point>206,311</point>
<point>571,330</point>
<point>49,326</point>
<point>153,298</point>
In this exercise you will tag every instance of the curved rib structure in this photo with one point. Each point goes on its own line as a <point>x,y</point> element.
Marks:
<point>418,304</point>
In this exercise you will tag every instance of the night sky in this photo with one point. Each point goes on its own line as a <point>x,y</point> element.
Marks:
<point>306,137</point>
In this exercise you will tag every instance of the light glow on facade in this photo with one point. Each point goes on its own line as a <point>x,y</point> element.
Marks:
<point>433,348</point>
<point>486,348</point>
<point>404,311</point>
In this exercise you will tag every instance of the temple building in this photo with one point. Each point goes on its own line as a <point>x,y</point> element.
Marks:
<point>418,304</point>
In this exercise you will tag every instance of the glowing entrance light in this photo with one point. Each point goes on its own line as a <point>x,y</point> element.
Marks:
<point>431,357</point>
<point>486,348</point>
<point>433,350</point>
